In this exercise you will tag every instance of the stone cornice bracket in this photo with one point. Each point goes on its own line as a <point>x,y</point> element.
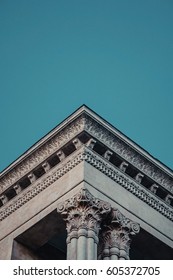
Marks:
<point>61,155</point>
<point>84,120</point>
<point>4,199</point>
<point>134,187</point>
<point>169,198</point>
<point>17,188</point>
<point>77,143</point>
<point>123,166</point>
<point>91,143</point>
<point>46,147</point>
<point>107,155</point>
<point>139,177</point>
<point>32,177</point>
<point>130,152</point>
<point>86,154</point>
<point>46,166</point>
<point>154,188</point>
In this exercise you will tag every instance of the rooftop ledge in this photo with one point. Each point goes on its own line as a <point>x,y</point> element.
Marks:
<point>89,122</point>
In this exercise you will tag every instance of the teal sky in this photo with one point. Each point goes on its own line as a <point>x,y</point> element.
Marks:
<point>115,56</point>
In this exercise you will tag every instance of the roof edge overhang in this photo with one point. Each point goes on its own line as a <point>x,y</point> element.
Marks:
<point>86,111</point>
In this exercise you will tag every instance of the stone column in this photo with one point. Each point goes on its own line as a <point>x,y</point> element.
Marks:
<point>115,238</point>
<point>83,214</point>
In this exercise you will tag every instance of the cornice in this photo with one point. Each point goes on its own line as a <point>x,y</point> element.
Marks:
<point>85,154</point>
<point>86,120</point>
<point>129,153</point>
<point>37,187</point>
<point>39,155</point>
<point>129,184</point>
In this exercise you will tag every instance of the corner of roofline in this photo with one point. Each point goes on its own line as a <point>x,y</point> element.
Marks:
<point>84,108</point>
<point>80,110</point>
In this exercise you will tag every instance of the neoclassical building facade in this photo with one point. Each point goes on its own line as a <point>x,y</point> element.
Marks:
<point>85,191</point>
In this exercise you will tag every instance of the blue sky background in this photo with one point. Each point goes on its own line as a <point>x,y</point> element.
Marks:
<point>116,56</point>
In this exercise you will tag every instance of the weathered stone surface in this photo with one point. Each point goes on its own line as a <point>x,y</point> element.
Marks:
<point>90,171</point>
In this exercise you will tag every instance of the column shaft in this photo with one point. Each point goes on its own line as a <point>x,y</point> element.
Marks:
<point>83,214</point>
<point>114,253</point>
<point>90,249</point>
<point>95,250</point>
<point>73,249</point>
<point>68,250</point>
<point>81,247</point>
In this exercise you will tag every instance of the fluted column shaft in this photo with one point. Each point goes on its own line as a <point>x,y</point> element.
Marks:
<point>83,214</point>
<point>116,236</point>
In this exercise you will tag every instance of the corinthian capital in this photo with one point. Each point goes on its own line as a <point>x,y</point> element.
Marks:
<point>117,219</point>
<point>116,236</point>
<point>83,211</point>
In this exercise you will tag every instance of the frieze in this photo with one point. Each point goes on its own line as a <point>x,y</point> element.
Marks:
<point>97,130</point>
<point>128,153</point>
<point>42,153</point>
<point>85,154</point>
<point>36,188</point>
<point>129,184</point>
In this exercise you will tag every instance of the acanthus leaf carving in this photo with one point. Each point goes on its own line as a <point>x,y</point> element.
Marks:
<point>83,210</point>
<point>116,236</point>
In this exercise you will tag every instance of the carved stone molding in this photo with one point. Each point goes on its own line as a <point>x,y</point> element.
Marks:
<point>128,153</point>
<point>116,236</point>
<point>99,163</point>
<point>115,244</point>
<point>83,214</point>
<point>36,188</point>
<point>42,153</point>
<point>83,211</point>
<point>97,130</point>
<point>116,217</point>
<point>129,184</point>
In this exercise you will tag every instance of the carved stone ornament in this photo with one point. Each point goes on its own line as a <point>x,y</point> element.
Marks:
<point>42,153</point>
<point>116,236</point>
<point>83,211</point>
<point>85,154</point>
<point>98,130</point>
<point>117,218</point>
<point>128,153</point>
<point>127,183</point>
